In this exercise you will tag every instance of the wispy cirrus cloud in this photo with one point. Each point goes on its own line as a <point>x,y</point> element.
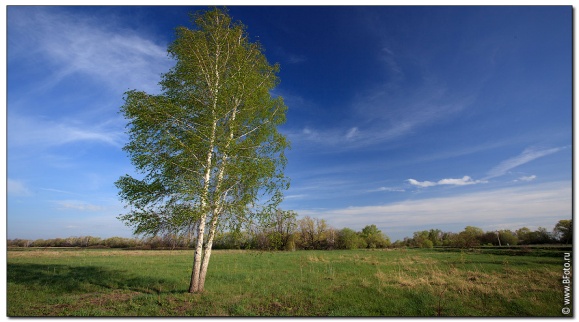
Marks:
<point>72,44</point>
<point>466,180</point>
<point>29,131</point>
<point>77,205</point>
<point>528,155</point>
<point>527,178</point>
<point>379,116</point>
<point>327,138</point>
<point>290,57</point>
<point>388,189</point>
<point>391,62</point>
<point>17,188</point>
<point>57,45</point>
<point>59,191</point>
<point>387,110</point>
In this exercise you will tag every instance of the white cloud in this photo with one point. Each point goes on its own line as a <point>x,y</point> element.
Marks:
<point>385,122</point>
<point>296,59</point>
<point>77,205</point>
<point>388,189</point>
<point>289,57</point>
<point>352,133</point>
<point>542,204</point>
<point>391,113</point>
<point>24,131</point>
<point>17,188</point>
<point>83,44</point>
<point>466,180</point>
<point>392,64</point>
<point>59,191</point>
<point>299,196</point>
<point>422,184</point>
<point>324,138</point>
<point>527,178</point>
<point>528,155</point>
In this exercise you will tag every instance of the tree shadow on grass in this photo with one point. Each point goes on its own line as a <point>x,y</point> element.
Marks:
<point>65,279</point>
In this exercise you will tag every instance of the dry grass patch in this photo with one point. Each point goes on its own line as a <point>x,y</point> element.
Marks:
<point>317,259</point>
<point>464,282</point>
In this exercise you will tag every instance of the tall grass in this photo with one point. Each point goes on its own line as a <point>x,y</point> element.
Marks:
<point>49,282</point>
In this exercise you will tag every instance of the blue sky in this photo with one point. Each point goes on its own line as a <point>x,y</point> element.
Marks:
<point>409,118</point>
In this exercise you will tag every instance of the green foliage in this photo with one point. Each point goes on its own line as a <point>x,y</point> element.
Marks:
<point>306,233</point>
<point>349,239</point>
<point>508,237</point>
<point>374,238</point>
<point>207,146</point>
<point>503,237</point>
<point>563,231</point>
<point>427,244</point>
<point>421,239</point>
<point>278,230</point>
<point>468,238</point>
<point>282,231</point>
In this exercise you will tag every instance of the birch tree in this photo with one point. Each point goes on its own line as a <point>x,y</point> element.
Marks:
<point>207,147</point>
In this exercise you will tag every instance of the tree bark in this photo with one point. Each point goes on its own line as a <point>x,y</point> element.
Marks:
<point>196,286</point>
<point>207,254</point>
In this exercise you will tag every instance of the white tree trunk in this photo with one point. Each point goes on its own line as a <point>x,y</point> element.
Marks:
<point>194,286</point>
<point>207,255</point>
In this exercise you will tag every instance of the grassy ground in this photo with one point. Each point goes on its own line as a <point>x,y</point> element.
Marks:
<point>46,282</point>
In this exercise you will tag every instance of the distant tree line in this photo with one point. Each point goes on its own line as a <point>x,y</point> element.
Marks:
<point>473,237</point>
<point>82,241</point>
<point>283,231</point>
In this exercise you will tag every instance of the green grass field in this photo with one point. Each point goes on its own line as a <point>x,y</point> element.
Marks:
<point>76,282</point>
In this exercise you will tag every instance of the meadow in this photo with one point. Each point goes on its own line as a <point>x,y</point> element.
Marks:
<point>390,282</point>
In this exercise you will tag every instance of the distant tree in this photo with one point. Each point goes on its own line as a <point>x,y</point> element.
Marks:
<point>435,235</point>
<point>349,239</point>
<point>306,233</point>
<point>280,229</point>
<point>541,236</point>
<point>39,243</point>
<point>398,244</point>
<point>322,231</point>
<point>18,242</point>
<point>314,233</point>
<point>489,238</point>
<point>448,238</point>
<point>469,237</point>
<point>422,239</point>
<point>563,231</point>
<point>524,236</point>
<point>207,147</point>
<point>331,238</point>
<point>231,240</point>
<point>537,237</point>
<point>503,237</point>
<point>508,237</point>
<point>374,238</point>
